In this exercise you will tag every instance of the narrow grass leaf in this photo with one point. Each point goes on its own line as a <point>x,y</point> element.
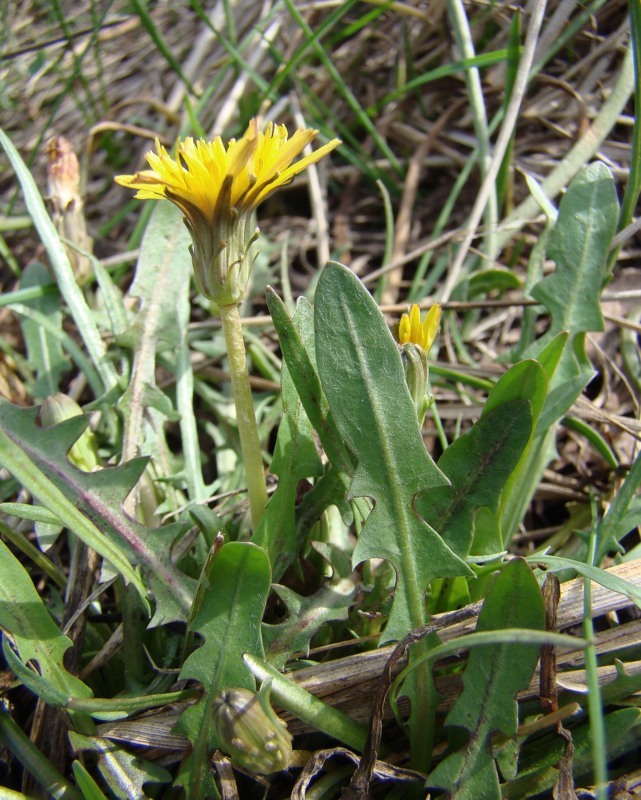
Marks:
<point>342,87</point>
<point>633,182</point>
<point>600,576</point>
<point>59,260</point>
<point>505,174</point>
<point>89,788</point>
<point>445,71</point>
<point>140,8</point>
<point>34,762</point>
<point>44,351</point>
<point>596,439</point>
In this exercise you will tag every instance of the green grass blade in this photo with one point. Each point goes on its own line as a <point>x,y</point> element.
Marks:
<point>343,88</point>
<point>140,7</point>
<point>62,268</point>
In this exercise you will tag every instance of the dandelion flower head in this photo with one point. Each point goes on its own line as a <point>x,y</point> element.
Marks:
<point>218,187</point>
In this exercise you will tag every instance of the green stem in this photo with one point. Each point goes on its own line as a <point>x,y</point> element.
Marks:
<point>241,390</point>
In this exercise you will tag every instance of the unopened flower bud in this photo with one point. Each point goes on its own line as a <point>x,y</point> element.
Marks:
<point>60,407</point>
<point>416,369</point>
<point>63,177</point>
<point>250,733</point>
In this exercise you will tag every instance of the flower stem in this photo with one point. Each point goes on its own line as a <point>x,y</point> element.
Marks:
<point>241,390</point>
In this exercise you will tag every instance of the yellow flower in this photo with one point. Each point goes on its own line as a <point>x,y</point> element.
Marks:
<point>412,330</point>
<point>218,187</point>
<point>415,341</point>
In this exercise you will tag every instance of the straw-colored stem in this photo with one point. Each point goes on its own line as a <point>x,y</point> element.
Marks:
<point>488,187</point>
<point>241,390</point>
<point>465,43</point>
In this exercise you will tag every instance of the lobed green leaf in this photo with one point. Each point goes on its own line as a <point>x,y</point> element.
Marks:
<point>90,504</point>
<point>491,681</point>
<point>229,621</point>
<point>362,376</point>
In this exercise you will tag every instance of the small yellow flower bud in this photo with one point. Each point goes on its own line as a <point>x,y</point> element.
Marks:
<point>415,341</point>
<point>250,733</point>
<point>416,369</point>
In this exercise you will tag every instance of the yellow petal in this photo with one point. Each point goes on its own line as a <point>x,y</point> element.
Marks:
<point>240,174</point>
<point>431,326</point>
<point>411,329</point>
<point>416,330</point>
<point>404,330</point>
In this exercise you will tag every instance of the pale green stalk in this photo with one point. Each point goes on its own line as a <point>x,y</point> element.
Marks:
<point>241,390</point>
<point>34,762</point>
<point>185,402</point>
<point>307,707</point>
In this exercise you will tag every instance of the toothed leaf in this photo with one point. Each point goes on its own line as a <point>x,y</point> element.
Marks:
<point>362,376</point>
<point>90,504</point>
<point>229,621</point>
<point>305,615</point>
<point>492,678</point>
